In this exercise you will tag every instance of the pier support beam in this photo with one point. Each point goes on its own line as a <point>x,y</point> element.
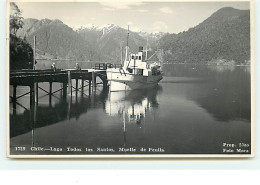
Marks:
<point>93,81</point>
<point>77,85</point>
<point>50,91</point>
<point>64,89</point>
<point>14,93</point>
<point>14,96</point>
<point>82,86</point>
<point>69,83</point>
<point>36,92</point>
<point>89,87</point>
<point>31,95</point>
<point>50,94</point>
<point>69,107</point>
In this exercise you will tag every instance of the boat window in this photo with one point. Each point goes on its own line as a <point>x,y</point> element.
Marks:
<point>140,58</point>
<point>139,72</point>
<point>155,71</point>
<point>130,70</point>
<point>133,57</point>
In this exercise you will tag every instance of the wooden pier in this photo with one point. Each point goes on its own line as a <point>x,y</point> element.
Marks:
<point>32,78</point>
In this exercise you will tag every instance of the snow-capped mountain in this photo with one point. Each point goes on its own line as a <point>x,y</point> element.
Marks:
<point>94,27</point>
<point>152,35</point>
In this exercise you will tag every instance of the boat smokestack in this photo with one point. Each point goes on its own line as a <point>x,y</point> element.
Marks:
<point>141,48</point>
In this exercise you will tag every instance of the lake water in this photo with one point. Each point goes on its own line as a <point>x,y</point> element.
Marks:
<point>195,109</point>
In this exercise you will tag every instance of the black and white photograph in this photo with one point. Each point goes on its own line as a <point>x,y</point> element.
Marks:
<point>114,79</point>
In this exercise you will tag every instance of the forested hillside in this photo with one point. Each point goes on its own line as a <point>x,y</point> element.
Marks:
<point>224,35</point>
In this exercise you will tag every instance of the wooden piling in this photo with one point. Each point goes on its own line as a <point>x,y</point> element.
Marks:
<point>82,86</point>
<point>50,91</point>
<point>34,124</point>
<point>50,94</point>
<point>93,81</point>
<point>76,97</point>
<point>89,87</point>
<point>31,94</point>
<point>14,98</point>
<point>77,84</point>
<point>69,82</point>
<point>36,92</point>
<point>69,107</point>
<point>64,93</point>
<point>14,93</point>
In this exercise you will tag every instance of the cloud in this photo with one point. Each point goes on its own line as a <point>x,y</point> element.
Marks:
<point>108,9</point>
<point>133,27</point>
<point>130,23</point>
<point>159,26</point>
<point>119,5</point>
<point>166,10</point>
<point>142,10</point>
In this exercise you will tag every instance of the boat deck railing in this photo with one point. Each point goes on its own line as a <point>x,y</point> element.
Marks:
<point>104,66</point>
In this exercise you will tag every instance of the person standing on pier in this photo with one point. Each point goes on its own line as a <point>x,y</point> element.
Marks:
<point>77,67</point>
<point>53,67</point>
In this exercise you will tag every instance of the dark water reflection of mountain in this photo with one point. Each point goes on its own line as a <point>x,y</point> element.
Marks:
<point>224,92</point>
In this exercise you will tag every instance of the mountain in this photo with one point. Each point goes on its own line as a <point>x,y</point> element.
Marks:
<point>56,40</point>
<point>90,43</point>
<point>110,40</point>
<point>152,38</point>
<point>224,35</point>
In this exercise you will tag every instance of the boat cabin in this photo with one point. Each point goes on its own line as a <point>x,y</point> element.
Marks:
<point>137,65</point>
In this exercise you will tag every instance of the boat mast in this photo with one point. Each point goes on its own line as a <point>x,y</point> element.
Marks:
<point>146,47</point>
<point>126,48</point>
<point>121,50</point>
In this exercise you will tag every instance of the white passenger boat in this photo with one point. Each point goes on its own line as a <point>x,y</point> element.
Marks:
<point>136,73</point>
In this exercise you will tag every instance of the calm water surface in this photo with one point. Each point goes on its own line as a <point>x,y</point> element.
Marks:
<point>193,110</point>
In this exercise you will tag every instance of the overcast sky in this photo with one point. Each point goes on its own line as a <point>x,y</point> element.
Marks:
<point>172,17</point>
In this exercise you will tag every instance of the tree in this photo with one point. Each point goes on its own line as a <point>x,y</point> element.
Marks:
<point>21,53</point>
<point>16,20</point>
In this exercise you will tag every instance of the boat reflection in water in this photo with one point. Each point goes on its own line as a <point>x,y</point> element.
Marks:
<point>132,106</point>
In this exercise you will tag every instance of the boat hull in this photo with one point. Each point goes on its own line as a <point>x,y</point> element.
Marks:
<point>120,81</point>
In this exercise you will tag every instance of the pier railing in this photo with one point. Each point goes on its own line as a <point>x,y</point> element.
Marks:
<point>104,66</point>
